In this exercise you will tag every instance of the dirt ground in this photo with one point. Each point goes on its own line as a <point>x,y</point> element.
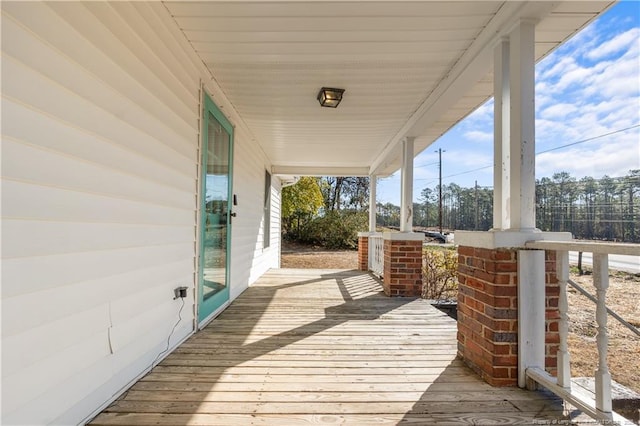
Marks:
<point>623,297</point>
<point>308,257</point>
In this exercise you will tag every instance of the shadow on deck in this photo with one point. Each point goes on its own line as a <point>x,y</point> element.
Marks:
<point>323,347</point>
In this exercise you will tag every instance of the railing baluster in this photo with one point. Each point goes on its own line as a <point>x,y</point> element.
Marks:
<point>376,255</point>
<point>562,274</point>
<point>371,252</point>
<point>602,375</point>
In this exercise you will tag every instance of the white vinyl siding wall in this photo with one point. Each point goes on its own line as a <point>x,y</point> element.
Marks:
<point>100,137</point>
<point>249,260</point>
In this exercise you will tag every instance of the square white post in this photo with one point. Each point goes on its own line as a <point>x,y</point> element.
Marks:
<point>406,207</point>
<point>564,364</point>
<point>501,125</point>
<point>372,203</point>
<point>522,177</point>
<point>531,313</point>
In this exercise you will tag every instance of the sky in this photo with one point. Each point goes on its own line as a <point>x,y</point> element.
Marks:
<point>587,95</point>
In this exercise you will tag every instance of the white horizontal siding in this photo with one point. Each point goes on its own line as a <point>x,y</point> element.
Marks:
<point>28,200</point>
<point>55,303</point>
<point>100,142</point>
<point>100,133</point>
<point>71,237</point>
<point>249,259</point>
<point>71,139</point>
<point>31,87</point>
<point>98,179</point>
<point>28,383</point>
<point>73,31</point>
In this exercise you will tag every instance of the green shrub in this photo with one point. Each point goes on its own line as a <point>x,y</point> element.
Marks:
<point>439,273</point>
<point>335,230</point>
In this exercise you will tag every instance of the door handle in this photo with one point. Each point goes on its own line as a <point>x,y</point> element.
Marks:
<point>233,214</point>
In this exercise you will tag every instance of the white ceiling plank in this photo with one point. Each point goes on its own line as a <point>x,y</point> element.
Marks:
<point>331,23</point>
<point>329,9</point>
<point>335,48</point>
<point>315,170</point>
<point>408,67</point>
<point>425,34</point>
<point>366,60</point>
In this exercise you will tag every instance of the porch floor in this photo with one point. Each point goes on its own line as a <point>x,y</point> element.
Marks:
<point>323,347</point>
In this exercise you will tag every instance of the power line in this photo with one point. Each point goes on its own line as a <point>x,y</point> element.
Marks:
<point>425,165</point>
<point>552,149</point>
<point>469,171</point>
<point>589,139</point>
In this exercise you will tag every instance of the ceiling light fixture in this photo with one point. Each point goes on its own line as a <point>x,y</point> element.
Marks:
<point>329,97</point>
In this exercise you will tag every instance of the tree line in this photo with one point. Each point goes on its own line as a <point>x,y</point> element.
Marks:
<point>602,209</point>
<point>331,210</point>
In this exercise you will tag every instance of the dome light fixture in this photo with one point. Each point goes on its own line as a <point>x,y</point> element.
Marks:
<point>330,97</point>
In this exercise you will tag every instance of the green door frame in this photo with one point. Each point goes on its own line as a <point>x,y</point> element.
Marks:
<point>206,308</point>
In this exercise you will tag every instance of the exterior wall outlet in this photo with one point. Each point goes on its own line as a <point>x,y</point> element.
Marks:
<point>180,292</point>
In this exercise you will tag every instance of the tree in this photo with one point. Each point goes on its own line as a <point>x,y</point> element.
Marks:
<point>344,192</point>
<point>388,214</point>
<point>589,188</point>
<point>606,202</point>
<point>300,203</point>
<point>634,189</point>
<point>564,197</point>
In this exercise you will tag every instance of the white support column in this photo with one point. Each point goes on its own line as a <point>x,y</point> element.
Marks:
<point>501,125</point>
<point>564,364</point>
<point>406,206</point>
<point>531,313</point>
<point>602,376</point>
<point>522,134</point>
<point>372,203</point>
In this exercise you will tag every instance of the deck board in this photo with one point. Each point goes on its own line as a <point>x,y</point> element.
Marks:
<point>323,347</point>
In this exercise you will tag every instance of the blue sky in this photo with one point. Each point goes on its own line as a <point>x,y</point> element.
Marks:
<point>588,87</point>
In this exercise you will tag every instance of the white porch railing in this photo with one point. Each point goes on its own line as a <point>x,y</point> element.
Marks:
<point>601,407</point>
<point>376,254</point>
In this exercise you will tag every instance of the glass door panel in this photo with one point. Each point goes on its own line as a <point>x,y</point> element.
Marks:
<point>216,212</point>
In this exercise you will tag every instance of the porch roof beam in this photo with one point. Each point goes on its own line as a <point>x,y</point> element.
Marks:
<point>320,171</point>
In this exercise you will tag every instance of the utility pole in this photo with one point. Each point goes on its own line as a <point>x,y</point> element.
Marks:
<point>440,189</point>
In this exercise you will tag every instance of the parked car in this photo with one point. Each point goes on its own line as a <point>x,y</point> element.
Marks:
<point>435,236</point>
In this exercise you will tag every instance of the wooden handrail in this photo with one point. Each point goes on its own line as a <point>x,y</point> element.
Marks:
<point>596,247</point>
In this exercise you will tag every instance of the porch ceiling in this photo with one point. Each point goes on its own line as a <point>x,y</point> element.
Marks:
<point>410,68</point>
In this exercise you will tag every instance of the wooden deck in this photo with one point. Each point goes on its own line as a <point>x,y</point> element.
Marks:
<point>323,347</point>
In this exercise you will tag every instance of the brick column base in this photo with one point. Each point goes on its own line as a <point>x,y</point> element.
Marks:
<point>402,267</point>
<point>488,313</point>
<point>363,252</point>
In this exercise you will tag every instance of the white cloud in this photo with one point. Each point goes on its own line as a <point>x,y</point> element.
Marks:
<point>617,78</point>
<point>615,157</point>
<point>466,159</point>
<point>618,43</point>
<point>559,68</point>
<point>575,76</point>
<point>558,111</point>
<point>479,136</point>
<point>578,99</point>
